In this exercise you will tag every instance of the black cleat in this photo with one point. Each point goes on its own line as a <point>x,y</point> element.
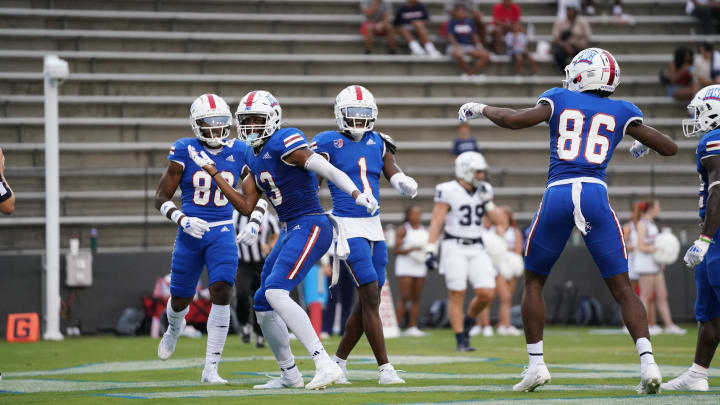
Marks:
<point>260,342</point>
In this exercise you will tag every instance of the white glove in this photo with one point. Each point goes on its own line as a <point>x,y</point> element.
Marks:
<point>368,201</point>
<point>249,235</point>
<point>201,159</point>
<point>639,150</point>
<point>194,226</point>
<point>696,253</point>
<point>405,185</point>
<point>470,111</point>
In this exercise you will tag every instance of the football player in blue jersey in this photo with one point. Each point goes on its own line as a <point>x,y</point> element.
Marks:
<point>363,154</point>
<point>704,254</point>
<point>585,127</point>
<point>283,167</point>
<point>205,236</point>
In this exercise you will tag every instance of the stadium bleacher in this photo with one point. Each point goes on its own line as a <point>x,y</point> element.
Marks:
<point>136,66</point>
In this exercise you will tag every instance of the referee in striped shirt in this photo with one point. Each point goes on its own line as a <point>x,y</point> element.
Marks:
<point>250,264</point>
<point>7,198</point>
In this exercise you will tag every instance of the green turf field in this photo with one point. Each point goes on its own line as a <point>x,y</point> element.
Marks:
<point>588,366</point>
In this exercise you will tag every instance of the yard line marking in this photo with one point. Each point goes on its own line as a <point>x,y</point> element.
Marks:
<point>672,399</point>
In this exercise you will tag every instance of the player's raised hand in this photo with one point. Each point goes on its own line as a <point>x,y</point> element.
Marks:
<point>194,226</point>
<point>696,253</point>
<point>200,158</point>
<point>469,111</point>
<point>639,150</point>
<point>249,235</point>
<point>368,201</point>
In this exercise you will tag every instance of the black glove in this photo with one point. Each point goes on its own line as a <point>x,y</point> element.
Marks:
<point>431,261</point>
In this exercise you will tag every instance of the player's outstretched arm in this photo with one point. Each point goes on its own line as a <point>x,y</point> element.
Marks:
<point>169,182</point>
<point>404,184</point>
<point>696,252</point>
<point>314,162</point>
<point>7,197</point>
<point>507,117</point>
<point>652,138</point>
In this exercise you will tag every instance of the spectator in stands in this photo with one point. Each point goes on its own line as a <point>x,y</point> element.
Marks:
<point>464,40</point>
<point>410,240</point>
<point>464,142</point>
<point>251,259</point>
<point>651,274</point>
<point>410,19</point>
<point>516,42</point>
<point>377,23</point>
<point>476,15</point>
<point>706,65</point>
<point>570,35</point>
<point>505,14</point>
<point>704,11</point>
<point>678,78</point>
<point>7,197</point>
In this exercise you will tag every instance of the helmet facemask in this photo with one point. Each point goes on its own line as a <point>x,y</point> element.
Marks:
<point>213,131</point>
<point>357,120</point>
<point>252,128</point>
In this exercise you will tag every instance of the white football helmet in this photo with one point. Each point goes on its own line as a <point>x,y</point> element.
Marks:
<point>258,103</point>
<point>355,111</point>
<point>592,69</point>
<point>467,164</point>
<point>210,112</point>
<point>705,111</point>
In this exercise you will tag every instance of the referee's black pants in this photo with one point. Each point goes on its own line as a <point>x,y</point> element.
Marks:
<point>246,283</point>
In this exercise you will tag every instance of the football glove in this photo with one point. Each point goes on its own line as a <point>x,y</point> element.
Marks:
<point>368,201</point>
<point>431,258</point>
<point>469,111</point>
<point>696,253</point>
<point>639,150</point>
<point>249,235</point>
<point>200,158</point>
<point>405,185</point>
<point>194,226</point>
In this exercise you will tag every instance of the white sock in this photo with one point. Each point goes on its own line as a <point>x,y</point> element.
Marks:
<point>339,361</point>
<point>175,318</point>
<point>384,366</point>
<point>644,349</point>
<point>217,329</point>
<point>535,353</point>
<point>699,371</point>
<point>299,323</point>
<point>289,369</point>
<point>276,336</point>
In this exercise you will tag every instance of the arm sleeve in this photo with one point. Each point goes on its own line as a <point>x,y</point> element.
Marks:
<point>318,165</point>
<point>178,153</point>
<point>5,192</point>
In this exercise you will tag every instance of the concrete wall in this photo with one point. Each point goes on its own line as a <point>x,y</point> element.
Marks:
<point>121,280</point>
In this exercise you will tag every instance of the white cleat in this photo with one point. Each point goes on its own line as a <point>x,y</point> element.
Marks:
<point>167,344</point>
<point>345,379</point>
<point>650,380</point>
<point>282,382</point>
<point>688,381</point>
<point>476,330</point>
<point>325,376</point>
<point>414,331</point>
<point>487,331</point>
<point>674,330</point>
<point>210,376</point>
<point>388,375</point>
<point>533,377</point>
<point>508,331</point>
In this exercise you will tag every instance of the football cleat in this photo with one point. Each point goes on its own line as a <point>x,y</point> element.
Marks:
<point>345,379</point>
<point>325,376</point>
<point>388,375</point>
<point>167,344</point>
<point>210,375</point>
<point>414,331</point>
<point>650,380</point>
<point>533,377</point>
<point>282,382</point>
<point>688,381</point>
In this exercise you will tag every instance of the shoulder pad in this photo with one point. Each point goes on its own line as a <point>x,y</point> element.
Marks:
<point>389,142</point>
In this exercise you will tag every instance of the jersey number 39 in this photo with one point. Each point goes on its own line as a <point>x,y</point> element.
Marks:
<point>570,139</point>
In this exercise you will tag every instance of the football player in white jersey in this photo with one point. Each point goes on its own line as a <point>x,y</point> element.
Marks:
<point>460,205</point>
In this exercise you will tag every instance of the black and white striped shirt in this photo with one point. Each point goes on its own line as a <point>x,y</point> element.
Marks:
<point>5,192</point>
<point>253,253</point>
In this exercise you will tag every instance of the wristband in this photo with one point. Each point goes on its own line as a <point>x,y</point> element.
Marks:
<point>176,216</point>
